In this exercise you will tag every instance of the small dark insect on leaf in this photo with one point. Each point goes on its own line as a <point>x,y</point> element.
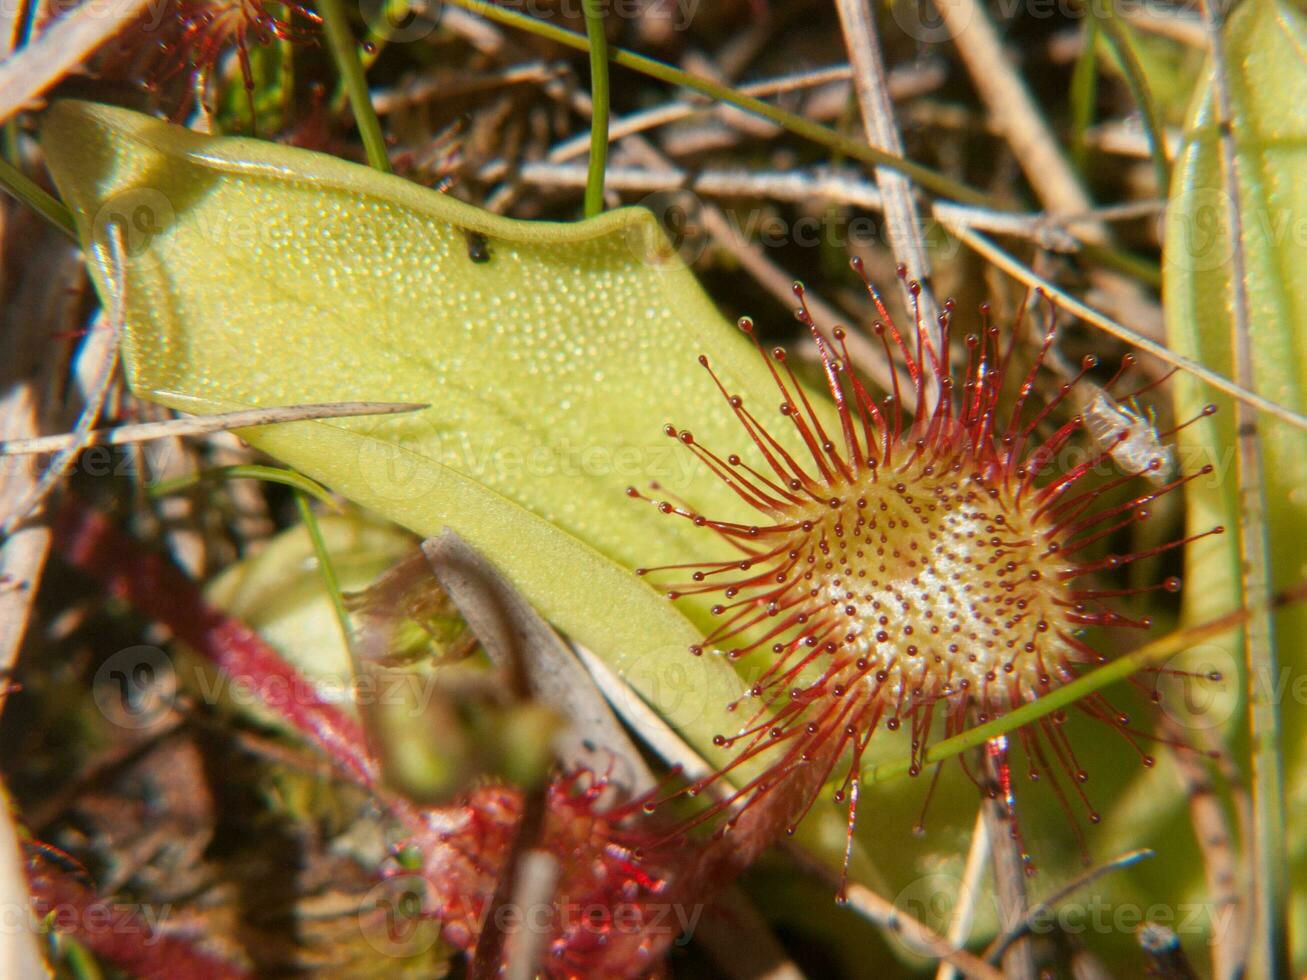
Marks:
<point>478,249</point>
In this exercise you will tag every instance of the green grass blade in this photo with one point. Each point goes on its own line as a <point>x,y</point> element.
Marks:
<point>24,189</point>
<point>344,51</point>
<point>594,181</point>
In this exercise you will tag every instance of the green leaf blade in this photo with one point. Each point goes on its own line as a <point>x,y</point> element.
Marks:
<point>260,275</point>
<point>1265,43</point>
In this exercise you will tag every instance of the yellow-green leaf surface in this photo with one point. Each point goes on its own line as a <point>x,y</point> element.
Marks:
<point>1266,54</point>
<point>261,275</point>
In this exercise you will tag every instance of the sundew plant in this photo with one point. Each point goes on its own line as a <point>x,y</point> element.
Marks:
<point>755,490</point>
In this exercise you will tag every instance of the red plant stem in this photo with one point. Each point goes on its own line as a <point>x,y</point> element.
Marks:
<point>116,934</point>
<point>159,589</point>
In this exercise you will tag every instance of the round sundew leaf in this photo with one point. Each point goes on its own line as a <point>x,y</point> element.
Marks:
<point>552,356</point>
<point>1266,55</point>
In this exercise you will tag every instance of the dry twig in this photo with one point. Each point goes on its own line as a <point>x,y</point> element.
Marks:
<point>68,42</point>
<point>204,424</point>
<point>969,891</point>
<point>902,219</point>
<point>1065,301</point>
